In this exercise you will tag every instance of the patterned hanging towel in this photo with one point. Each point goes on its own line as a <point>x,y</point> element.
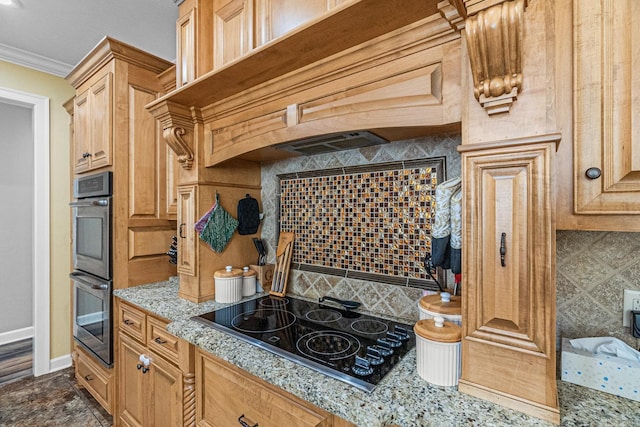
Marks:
<point>441,230</point>
<point>456,232</point>
<point>199,226</point>
<point>218,228</point>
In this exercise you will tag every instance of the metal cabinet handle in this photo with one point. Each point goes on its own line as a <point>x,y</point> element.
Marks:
<point>139,366</point>
<point>160,341</point>
<point>88,377</point>
<point>503,249</point>
<point>593,173</point>
<point>243,423</point>
<point>128,322</point>
<point>145,370</point>
<point>180,231</point>
<point>86,155</point>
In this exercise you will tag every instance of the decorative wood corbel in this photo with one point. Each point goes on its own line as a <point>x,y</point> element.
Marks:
<point>494,42</point>
<point>177,129</point>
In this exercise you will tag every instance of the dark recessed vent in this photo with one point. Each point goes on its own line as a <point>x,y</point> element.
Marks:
<point>333,142</point>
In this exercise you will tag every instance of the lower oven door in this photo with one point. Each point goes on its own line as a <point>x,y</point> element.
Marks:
<point>92,315</point>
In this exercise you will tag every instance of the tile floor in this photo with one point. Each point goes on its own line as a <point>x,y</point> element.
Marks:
<point>50,400</point>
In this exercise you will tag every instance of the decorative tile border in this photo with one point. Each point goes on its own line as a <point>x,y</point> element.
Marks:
<point>368,222</point>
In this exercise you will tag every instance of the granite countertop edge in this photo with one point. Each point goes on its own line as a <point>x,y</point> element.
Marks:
<point>402,398</point>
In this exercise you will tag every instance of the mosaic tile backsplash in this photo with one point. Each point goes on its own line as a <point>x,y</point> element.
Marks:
<point>374,219</point>
<point>380,298</point>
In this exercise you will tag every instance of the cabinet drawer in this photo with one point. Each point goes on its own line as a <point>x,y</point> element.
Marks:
<point>95,378</point>
<point>133,322</point>
<point>161,341</point>
<point>225,394</point>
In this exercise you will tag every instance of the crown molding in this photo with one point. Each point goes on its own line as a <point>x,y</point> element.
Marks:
<point>34,61</point>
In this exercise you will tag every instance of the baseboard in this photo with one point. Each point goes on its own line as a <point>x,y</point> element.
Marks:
<point>16,335</point>
<point>59,363</point>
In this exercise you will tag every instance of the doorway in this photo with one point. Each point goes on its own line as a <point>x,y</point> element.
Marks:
<point>37,223</point>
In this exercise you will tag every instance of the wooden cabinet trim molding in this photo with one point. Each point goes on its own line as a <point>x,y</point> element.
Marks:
<point>177,127</point>
<point>494,42</point>
<point>513,142</point>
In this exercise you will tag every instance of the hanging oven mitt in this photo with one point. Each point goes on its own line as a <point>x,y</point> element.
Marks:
<point>441,230</point>
<point>248,216</point>
<point>219,228</point>
<point>456,231</point>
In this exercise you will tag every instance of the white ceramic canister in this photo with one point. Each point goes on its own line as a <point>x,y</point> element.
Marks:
<point>248,282</point>
<point>444,304</point>
<point>438,351</point>
<point>228,284</point>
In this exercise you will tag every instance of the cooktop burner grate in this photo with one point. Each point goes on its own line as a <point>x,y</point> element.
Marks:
<point>349,346</point>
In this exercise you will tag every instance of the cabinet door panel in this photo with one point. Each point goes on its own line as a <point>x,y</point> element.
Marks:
<point>509,299</point>
<point>232,30</point>
<point>186,234</point>
<point>101,104</point>
<point>607,48</point>
<point>143,164</point>
<point>165,389</point>
<point>81,131</point>
<point>276,17</point>
<point>132,394</point>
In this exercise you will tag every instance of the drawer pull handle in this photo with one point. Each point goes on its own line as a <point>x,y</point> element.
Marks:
<point>182,236</point>
<point>88,377</point>
<point>145,370</point>
<point>243,423</point>
<point>160,341</point>
<point>128,322</point>
<point>503,249</point>
<point>139,366</point>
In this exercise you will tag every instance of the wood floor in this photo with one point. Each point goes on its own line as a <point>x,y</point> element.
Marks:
<point>16,360</point>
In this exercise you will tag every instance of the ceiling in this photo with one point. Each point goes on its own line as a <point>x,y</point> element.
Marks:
<point>54,35</point>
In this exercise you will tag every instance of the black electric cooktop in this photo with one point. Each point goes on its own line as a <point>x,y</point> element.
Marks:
<point>349,346</point>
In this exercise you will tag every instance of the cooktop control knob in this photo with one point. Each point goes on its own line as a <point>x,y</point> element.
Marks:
<point>384,348</point>
<point>374,356</point>
<point>395,339</point>
<point>362,367</point>
<point>390,342</point>
<point>401,333</point>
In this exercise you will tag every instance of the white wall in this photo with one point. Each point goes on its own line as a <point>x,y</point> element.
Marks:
<point>16,217</point>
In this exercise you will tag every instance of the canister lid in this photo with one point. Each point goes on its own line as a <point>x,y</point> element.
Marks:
<point>443,303</point>
<point>438,329</point>
<point>247,272</point>
<point>229,271</point>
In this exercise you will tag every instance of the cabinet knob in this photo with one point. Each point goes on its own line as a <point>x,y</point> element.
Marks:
<point>86,155</point>
<point>243,423</point>
<point>593,173</point>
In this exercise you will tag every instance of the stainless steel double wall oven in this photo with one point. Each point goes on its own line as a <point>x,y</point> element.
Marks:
<point>91,218</point>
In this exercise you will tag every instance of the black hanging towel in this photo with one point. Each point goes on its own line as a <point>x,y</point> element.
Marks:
<point>248,216</point>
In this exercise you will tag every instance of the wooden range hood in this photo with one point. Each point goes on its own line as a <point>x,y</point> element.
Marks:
<point>392,67</point>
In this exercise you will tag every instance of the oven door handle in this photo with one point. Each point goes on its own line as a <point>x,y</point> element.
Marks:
<point>88,203</point>
<point>81,278</point>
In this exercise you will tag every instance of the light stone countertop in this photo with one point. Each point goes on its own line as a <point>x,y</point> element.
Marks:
<point>401,398</point>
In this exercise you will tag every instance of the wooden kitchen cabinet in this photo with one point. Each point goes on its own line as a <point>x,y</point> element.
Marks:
<point>607,139</point>
<point>227,395</point>
<point>93,123</point>
<point>232,30</point>
<point>277,17</point>
<point>187,250</point>
<point>114,131</point>
<point>508,343</point>
<point>155,372</point>
<point>95,378</point>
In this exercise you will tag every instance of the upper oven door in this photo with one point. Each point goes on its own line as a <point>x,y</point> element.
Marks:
<point>92,315</point>
<point>92,236</point>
